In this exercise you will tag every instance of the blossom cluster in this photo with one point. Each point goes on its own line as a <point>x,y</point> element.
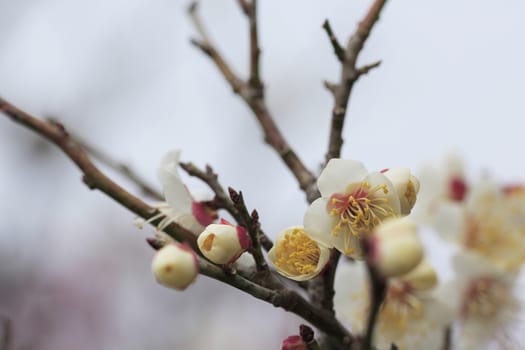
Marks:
<point>372,220</point>
<point>484,220</point>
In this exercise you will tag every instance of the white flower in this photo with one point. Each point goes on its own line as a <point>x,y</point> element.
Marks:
<point>445,183</point>
<point>175,266</point>
<point>223,243</point>
<point>411,316</point>
<point>395,247</point>
<point>485,301</point>
<point>297,256</point>
<point>181,207</point>
<point>485,224</point>
<point>406,185</point>
<point>353,202</point>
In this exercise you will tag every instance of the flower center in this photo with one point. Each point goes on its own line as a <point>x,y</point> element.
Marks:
<point>488,237</point>
<point>297,254</point>
<point>484,297</point>
<point>400,306</point>
<point>457,188</point>
<point>359,210</point>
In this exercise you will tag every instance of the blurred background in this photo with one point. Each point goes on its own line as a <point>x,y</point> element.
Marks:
<point>75,272</point>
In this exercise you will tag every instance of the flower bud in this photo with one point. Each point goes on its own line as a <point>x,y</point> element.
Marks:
<point>395,247</point>
<point>294,342</point>
<point>406,185</point>
<point>223,243</point>
<point>175,266</point>
<point>297,256</point>
<point>422,277</point>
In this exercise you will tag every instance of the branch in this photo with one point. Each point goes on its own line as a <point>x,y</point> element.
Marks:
<point>223,201</point>
<point>252,92</point>
<point>378,287</point>
<point>338,49</point>
<point>321,289</point>
<point>92,176</point>
<point>113,163</point>
<point>349,75</point>
<point>278,296</point>
<point>251,222</point>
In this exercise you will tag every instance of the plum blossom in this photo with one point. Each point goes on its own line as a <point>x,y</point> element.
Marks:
<point>412,316</point>
<point>297,256</point>
<point>223,243</point>
<point>486,223</point>
<point>486,303</point>
<point>180,206</point>
<point>352,203</point>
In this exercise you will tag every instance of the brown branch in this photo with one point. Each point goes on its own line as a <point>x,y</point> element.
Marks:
<point>251,223</point>
<point>278,295</point>
<point>108,160</point>
<point>92,176</point>
<point>223,201</point>
<point>252,93</point>
<point>349,75</point>
<point>338,49</point>
<point>378,289</point>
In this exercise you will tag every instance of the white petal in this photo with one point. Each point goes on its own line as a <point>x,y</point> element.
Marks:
<point>318,223</point>
<point>351,295</point>
<point>338,174</point>
<point>376,179</point>
<point>177,195</point>
<point>449,220</point>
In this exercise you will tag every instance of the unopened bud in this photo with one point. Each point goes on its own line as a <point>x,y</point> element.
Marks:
<point>294,342</point>
<point>422,277</point>
<point>406,185</point>
<point>175,266</point>
<point>223,243</point>
<point>395,247</point>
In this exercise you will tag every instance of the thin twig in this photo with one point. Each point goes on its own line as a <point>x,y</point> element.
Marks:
<point>113,163</point>
<point>279,296</point>
<point>255,51</point>
<point>378,287</point>
<point>253,95</point>
<point>251,222</point>
<point>222,200</point>
<point>7,333</point>
<point>349,75</point>
<point>339,51</point>
<point>447,338</point>
<point>92,176</point>
<point>235,205</point>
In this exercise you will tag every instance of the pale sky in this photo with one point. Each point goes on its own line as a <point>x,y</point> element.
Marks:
<point>123,74</point>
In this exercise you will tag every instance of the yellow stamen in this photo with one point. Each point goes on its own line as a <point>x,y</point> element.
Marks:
<point>297,254</point>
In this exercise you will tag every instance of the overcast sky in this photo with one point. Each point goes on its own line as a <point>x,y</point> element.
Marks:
<point>123,74</point>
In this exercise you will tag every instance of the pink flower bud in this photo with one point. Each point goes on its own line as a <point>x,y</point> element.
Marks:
<point>175,266</point>
<point>294,342</point>
<point>223,243</point>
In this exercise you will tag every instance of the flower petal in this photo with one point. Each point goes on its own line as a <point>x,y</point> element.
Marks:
<point>318,223</point>
<point>177,195</point>
<point>338,174</point>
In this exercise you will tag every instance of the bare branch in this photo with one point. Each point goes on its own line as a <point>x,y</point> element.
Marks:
<point>252,92</point>
<point>349,75</point>
<point>92,176</point>
<point>367,68</point>
<point>378,289</point>
<point>110,161</point>
<point>235,205</point>
<point>330,86</point>
<point>338,49</point>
